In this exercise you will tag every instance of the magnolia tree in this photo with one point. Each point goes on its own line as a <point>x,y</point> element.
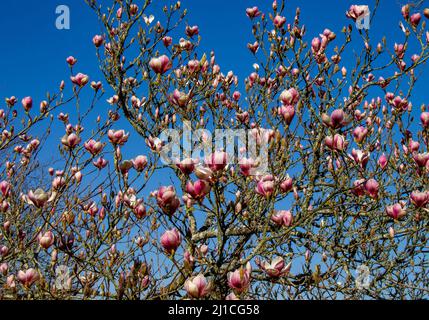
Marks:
<point>325,196</point>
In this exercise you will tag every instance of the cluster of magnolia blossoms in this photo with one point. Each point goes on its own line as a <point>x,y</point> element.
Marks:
<point>289,98</point>
<point>319,45</point>
<point>266,185</point>
<point>338,143</point>
<point>212,169</point>
<point>357,12</point>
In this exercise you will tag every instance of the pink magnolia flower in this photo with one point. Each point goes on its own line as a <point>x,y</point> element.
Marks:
<point>415,58</point>
<point>4,251</point>
<point>217,161</point>
<point>262,135</point>
<point>5,188</point>
<point>179,98</point>
<point>167,41</point>
<point>276,268</point>
<point>167,199</point>
<point>139,163</point>
<point>414,145</point>
<point>189,259</point>
<point>243,117</point>
<point>371,188</point>
<point>359,134</point>
<point>117,137</point>
<point>415,19</point>
<point>316,45</point>
<point>360,157</point>
<point>197,287</point>
<point>58,182</point>
<point>359,187</point>
<point>80,79</point>
<point>247,166</point>
<point>91,208</point>
<point>171,240</point>
<point>187,166</point>
<point>154,144</point>
<point>11,101</point>
<point>329,34</point>
<point>94,147</point>
<point>396,211</point>
<point>10,282</point>
<point>336,143</point>
<point>336,120</point>
<point>198,190</point>
<point>193,65</point>
<point>140,211</point>
<point>279,21</point>
<point>28,277</point>
<point>289,96</point>
<point>383,161</point>
<point>100,163</point>
<point>287,112</point>
<point>192,31</point>
<point>419,199</point>
<point>356,12</point>
<point>160,65</point>
<point>421,159</point>
<point>71,60</point>
<point>265,186</point>
<point>287,184</point>
<point>27,103</point>
<point>119,13</point>
<point>185,44</point>
<point>231,296</point>
<point>134,9</point>
<point>399,50</point>
<point>236,95</point>
<point>98,40</point>
<point>125,166</point>
<point>203,249</point>
<point>38,198</point>
<point>424,118</point>
<point>239,280</point>
<point>4,268</point>
<point>46,240</point>
<point>71,140</point>
<point>282,218</point>
<point>4,206</point>
<point>405,11</point>
<point>253,12</point>
<point>204,173</point>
